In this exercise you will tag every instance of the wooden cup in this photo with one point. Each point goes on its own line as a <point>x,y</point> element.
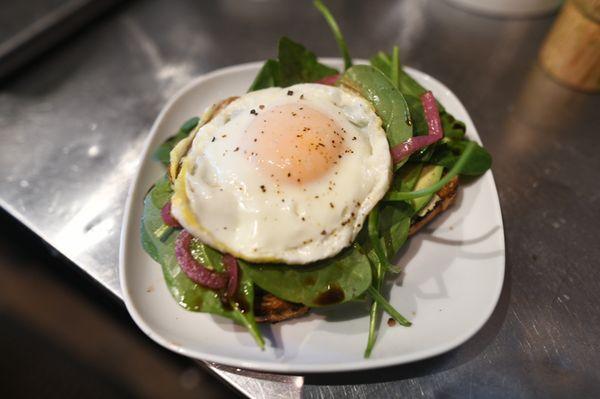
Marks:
<point>571,52</point>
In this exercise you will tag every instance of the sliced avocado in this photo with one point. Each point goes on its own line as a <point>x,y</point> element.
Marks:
<point>430,175</point>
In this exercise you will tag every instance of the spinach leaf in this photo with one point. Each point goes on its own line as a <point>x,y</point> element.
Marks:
<point>412,91</point>
<point>388,102</point>
<point>447,153</point>
<point>452,128</point>
<point>335,280</point>
<point>294,64</point>
<point>406,178</point>
<point>160,193</point>
<point>430,189</point>
<point>391,68</point>
<point>383,62</point>
<point>395,66</point>
<point>417,115</point>
<point>388,224</point>
<point>148,244</point>
<point>337,33</point>
<point>186,293</point>
<point>377,255</point>
<point>161,154</point>
<point>377,281</point>
<point>268,76</point>
<point>394,223</point>
<point>407,85</point>
<point>381,301</point>
<point>424,154</point>
<point>298,65</point>
<point>393,220</point>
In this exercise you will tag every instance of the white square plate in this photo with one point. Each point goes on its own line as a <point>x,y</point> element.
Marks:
<point>454,270</point>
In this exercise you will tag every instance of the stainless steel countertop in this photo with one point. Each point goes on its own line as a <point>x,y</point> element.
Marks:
<point>72,127</point>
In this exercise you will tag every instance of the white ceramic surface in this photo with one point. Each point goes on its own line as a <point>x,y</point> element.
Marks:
<point>509,8</point>
<point>454,271</point>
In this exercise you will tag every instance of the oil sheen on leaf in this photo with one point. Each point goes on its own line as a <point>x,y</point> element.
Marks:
<point>387,100</point>
<point>335,280</point>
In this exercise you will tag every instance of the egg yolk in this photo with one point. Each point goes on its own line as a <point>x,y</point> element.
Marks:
<point>294,143</point>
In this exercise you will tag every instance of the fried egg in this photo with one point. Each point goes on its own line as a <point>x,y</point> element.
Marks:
<point>284,175</point>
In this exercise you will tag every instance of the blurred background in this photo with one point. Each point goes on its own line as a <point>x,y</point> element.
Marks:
<point>82,81</point>
<point>64,336</point>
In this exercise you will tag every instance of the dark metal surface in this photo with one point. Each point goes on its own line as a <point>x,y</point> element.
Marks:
<point>72,126</point>
<point>29,28</point>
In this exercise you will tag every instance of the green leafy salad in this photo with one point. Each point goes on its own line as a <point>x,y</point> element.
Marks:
<point>427,153</point>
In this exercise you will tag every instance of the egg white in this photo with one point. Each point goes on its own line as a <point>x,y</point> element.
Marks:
<point>224,200</point>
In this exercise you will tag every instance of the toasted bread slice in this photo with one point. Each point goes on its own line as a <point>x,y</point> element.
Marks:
<point>270,309</point>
